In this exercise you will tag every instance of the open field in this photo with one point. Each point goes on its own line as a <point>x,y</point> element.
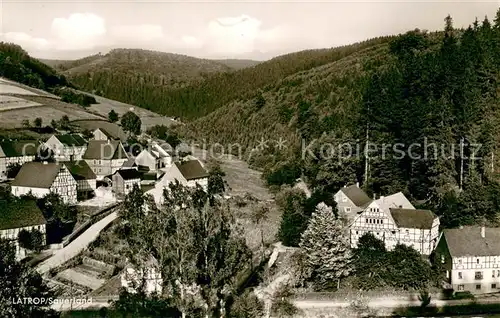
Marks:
<point>10,87</point>
<point>10,103</point>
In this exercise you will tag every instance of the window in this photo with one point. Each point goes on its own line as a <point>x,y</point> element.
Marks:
<point>493,273</point>
<point>460,261</point>
<point>344,199</point>
<point>461,287</point>
<point>407,232</point>
<point>498,273</point>
<point>460,275</point>
<point>356,232</point>
<point>347,209</point>
<point>478,275</point>
<point>366,220</point>
<point>378,210</point>
<point>442,259</point>
<point>381,221</point>
<point>477,261</point>
<point>493,286</point>
<point>478,286</point>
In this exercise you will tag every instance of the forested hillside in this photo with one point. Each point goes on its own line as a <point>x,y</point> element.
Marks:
<point>17,65</point>
<point>153,85</point>
<point>416,91</point>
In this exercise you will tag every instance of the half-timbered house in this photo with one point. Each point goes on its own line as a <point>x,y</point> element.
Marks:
<point>85,178</point>
<point>16,153</point>
<point>67,147</point>
<point>20,215</point>
<point>394,220</point>
<point>471,258</point>
<point>105,157</point>
<point>42,178</point>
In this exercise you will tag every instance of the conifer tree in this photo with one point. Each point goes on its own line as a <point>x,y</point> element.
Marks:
<point>326,248</point>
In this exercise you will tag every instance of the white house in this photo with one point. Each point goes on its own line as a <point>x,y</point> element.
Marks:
<point>16,153</point>
<point>124,181</point>
<point>85,178</point>
<point>471,258</point>
<point>105,157</point>
<point>42,178</point>
<point>351,200</point>
<point>394,220</point>
<point>188,173</point>
<point>67,147</point>
<point>21,215</point>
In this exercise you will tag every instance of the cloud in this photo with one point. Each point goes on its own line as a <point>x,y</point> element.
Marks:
<point>79,31</point>
<point>28,42</point>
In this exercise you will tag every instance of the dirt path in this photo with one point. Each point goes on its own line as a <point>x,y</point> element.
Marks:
<point>77,246</point>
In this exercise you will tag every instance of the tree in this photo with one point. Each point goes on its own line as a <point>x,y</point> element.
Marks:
<point>216,182</point>
<point>20,282</point>
<point>54,124</point>
<point>31,240</point>
<point>326,248</point>
<point>259,216</point>
<point>13,170</point>
<point>112,116</point>
<point>370,258</point>
<point>260,101</point>
<point>246,305</point>
<point>282,306</point>
<point>26,123</point>
<point>293,218</point>
<point>38,122</point>
<point>407,269</point>
<point>131,123</point>
<point>64,122</point>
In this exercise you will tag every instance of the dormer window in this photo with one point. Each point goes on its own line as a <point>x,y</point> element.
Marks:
<point>477,261</point>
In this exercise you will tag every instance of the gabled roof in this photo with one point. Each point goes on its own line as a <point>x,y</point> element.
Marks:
<point>356,195</point>
<point>129,174</point>
<point>105,150</point>
<point>80,170</point>
<point>19,148</point>
<point>130,163</point>
<point>72,140</point>
<point>192,169</point>
<point>37,175</point>
<point>107,133</point>
<point>396,201</point>
<point>20,213</point>
<point>413,218</point>
<point>467,241</point>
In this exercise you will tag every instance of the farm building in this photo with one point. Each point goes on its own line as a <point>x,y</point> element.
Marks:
<point>16,153</point>
<point>105,157</point>
<point>124,180</point>
<point>67,147</point>
<point>42,178</point>
<point>153,159</point>
<point>20,215</point>
<point>84,176</point>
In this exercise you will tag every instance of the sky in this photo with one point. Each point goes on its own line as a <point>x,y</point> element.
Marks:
<point>64,29</point>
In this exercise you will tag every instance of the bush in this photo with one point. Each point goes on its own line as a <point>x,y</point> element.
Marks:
<point>31,240</point>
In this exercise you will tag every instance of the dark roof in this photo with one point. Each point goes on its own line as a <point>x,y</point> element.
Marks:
<point>467,241</point>
<point>20,213</point>
<point>130,163</point>
<point>356,195</point>
<point>72,140</point>
<point>80,170</point>
<point>19,148</point>
<point>413,218</point>
<point>105,149</point>
<point>192,169</point>
<point>37,175</point>
<point>129,174</point>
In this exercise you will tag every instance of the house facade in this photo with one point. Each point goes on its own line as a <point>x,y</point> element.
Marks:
<point>471,258</point>
<point>351,200</point>
<point>21,215</point>
<point>124,181</point>
<point>67,147</point>
<point>105,157</point>
<point>86,179</point>
<point>148,279</point>
<point>16,153</point>
<point>394,220</point>
<point>42,178</point>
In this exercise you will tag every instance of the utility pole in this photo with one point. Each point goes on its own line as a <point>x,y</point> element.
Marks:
<point>461,162</point>
<point>367,166</point>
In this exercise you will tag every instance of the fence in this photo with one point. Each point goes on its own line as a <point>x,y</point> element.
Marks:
<point>92,220</point>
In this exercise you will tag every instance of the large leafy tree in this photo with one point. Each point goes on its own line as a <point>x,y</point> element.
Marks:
<point>294,217</point>
<point>131,123</point>
<point>18,283</point>
<point>370,258</point>
<point>326,248</point>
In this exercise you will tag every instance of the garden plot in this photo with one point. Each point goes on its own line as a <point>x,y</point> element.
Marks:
<point>81,277</point>
<point>11,102</point>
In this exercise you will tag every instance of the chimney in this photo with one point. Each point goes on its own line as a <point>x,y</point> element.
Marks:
<point>382,197</point>
<point>374,196</point>
<point>357,184</point>
<point>483,232</point>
